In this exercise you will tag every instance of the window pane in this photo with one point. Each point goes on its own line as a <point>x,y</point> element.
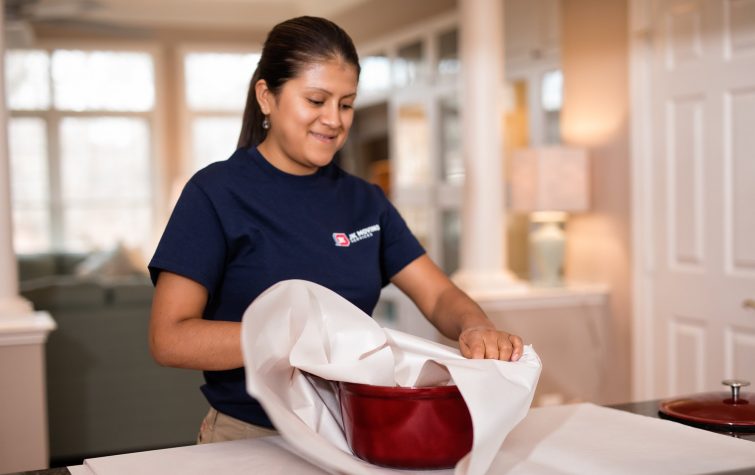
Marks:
<point>98,226</point>
<point>31,230</point>
<point>409,65</point>
<point>214,139</point>
<point>452,163</point>
<point>27,79</point>
<point>412,165</point>
<point>451,235</point>
<point>376,73</point>
<point>103,80</point>
<point>218,81</point>
<point>448,53</point>
<point>552,90</point>
<point>105,172</point>
<point>27,140</point>
<point>418,220</point>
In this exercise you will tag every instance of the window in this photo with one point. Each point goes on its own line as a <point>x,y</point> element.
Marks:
<point>216,85</point>
<point>80,146</point>
<point>448,54</point>
<point>376,73</point>
<point>409,66</point>
<point>551,98</point>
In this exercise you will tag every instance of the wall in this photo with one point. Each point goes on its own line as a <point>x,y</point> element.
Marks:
<point>595,46</point>
<point>23,417</point>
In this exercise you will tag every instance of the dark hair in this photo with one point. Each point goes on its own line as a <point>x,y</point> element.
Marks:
<point>290,46</point>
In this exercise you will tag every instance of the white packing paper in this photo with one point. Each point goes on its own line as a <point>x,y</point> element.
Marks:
<point>297,327</point>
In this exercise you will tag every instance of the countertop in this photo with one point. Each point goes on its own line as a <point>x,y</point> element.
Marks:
<point>645,408</point>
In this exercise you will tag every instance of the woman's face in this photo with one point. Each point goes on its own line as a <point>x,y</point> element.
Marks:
<point>310,118</point>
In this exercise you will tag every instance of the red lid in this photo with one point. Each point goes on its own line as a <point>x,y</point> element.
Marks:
<point>725,410</point>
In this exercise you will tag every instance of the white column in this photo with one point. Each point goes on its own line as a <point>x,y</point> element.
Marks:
<point>23,408</point>
<point>483,240</point>
<point>11,305</point>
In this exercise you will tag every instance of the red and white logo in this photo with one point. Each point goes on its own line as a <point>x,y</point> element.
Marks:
<point>341,239</point>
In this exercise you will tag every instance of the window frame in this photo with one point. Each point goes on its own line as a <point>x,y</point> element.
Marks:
<point>53,118</point>
<point>186,115</point>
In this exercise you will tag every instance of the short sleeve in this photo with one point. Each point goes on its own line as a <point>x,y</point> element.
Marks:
<point>193,244</point>
<point>399,247</point>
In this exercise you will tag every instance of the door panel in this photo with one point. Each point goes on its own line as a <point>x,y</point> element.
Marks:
<point>739,147</point>
<point>685,160</point>
<point>703,184</point>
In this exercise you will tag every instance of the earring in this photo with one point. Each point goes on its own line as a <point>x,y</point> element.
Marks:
<point>266,123</point>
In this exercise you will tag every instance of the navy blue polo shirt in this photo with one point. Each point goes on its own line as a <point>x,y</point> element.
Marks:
<point>242,225</point>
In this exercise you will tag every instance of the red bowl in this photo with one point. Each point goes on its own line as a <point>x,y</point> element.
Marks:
<point>412,428</point>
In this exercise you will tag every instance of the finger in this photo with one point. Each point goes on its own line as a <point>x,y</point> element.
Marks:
<point>477,348</point>
<point>518,347</point>
<point>474,345</point>
<point>505,347</point>
<point>492,349</point>
<point>466,352</point>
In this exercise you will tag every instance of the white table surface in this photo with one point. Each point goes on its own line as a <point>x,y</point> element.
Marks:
<point>578,439</point>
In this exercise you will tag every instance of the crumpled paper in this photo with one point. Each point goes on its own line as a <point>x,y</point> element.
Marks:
<point>298,337</point>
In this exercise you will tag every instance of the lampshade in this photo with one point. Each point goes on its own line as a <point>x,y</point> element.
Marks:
<point>549,179</point>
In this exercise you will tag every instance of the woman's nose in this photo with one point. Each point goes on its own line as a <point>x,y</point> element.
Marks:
<point>331,116</point>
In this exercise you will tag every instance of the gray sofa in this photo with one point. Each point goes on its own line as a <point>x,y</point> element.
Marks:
<point>105,393</point>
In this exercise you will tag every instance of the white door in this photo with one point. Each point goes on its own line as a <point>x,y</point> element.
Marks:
<point>702,180</point>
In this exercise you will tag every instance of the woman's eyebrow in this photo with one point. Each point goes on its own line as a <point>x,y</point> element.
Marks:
<point>319,89</point>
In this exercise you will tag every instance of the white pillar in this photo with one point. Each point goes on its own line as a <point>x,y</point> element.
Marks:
<point>11,304</point>
<point>23,407</point>
<point>483,267</point>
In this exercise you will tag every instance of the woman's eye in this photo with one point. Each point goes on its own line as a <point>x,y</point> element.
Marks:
<point>347,106</point>
<point>316,102</point>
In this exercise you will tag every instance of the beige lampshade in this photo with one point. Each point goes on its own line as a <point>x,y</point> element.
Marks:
<point>549,179</point>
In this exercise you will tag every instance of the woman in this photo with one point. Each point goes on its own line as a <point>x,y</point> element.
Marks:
<point>280,209</point>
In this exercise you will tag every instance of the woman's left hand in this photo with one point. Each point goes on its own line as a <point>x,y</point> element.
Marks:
<point>486,342</point>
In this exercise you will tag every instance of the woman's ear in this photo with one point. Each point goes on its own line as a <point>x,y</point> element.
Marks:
<point>264,96</point>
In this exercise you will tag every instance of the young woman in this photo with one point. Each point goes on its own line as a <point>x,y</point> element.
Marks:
<point>279,209</point>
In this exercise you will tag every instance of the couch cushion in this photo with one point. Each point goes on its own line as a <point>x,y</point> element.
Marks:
<point>117,262</point>
<point>51,293</point>
<point>33,266</point>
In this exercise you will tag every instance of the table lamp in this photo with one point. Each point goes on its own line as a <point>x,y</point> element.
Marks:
<point>548,183</point>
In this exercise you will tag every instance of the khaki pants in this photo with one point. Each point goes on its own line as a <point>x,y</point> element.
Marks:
<point>218,427</point>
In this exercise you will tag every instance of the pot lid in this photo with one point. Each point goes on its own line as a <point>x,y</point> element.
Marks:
<point>730,411</point>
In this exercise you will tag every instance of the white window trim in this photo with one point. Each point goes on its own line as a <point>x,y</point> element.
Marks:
<point>185,115</point>
<point>154,118</point>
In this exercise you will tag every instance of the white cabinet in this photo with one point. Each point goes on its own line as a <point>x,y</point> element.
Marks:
<point>568,328</point>
<point>414,91</point>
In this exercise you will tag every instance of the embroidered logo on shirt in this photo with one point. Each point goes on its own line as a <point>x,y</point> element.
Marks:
<point>341,239</point>
<point>345,240</point>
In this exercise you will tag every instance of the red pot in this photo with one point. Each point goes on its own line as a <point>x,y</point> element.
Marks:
<point>412,428</point>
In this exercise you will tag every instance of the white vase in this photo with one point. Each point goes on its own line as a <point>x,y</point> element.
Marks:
<point>547,241</point>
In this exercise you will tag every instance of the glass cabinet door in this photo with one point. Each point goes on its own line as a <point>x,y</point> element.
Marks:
<point>451,225</point>
<point>412,160</point>
<point>410,67</point>
<point>451,162</point>
<point>448,64</point>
